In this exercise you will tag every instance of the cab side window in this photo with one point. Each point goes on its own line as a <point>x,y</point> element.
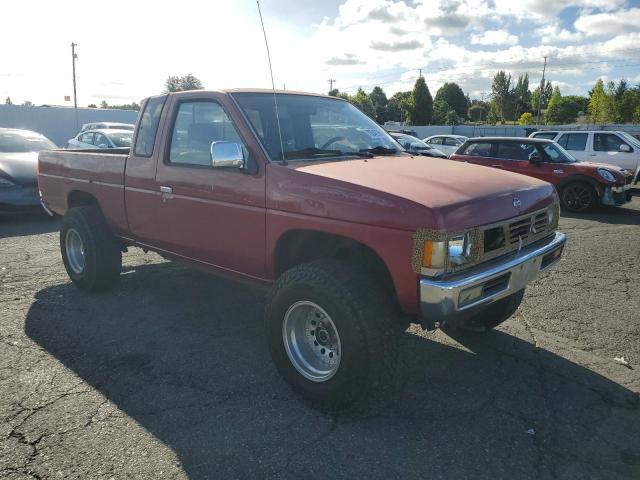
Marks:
<point>148,126</point>
<point>197,125</point>
<point>574,141</point>
<point>607,142</point>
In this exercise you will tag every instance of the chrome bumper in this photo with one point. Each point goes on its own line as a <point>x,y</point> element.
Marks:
<point>457,298</point>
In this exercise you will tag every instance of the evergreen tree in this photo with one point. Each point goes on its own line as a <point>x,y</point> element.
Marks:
<point>363,102</point>
<point>598,108</point>
<point>501,91</point>
<point>379,100</point>
<point>8,101</point>
<point>452,94</point>
<point>522,95</point>
<point>421,111</point>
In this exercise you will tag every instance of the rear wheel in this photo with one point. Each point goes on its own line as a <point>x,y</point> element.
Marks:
<point>91,254</point>
<point>331,333</point>
<point>578,197</point>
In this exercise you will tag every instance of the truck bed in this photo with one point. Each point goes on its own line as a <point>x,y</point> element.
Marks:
<point>70,177</point>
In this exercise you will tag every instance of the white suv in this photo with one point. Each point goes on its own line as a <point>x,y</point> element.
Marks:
<point>613,147</point>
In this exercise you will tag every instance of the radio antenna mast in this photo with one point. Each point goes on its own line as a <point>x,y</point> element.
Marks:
<point>273,86</point>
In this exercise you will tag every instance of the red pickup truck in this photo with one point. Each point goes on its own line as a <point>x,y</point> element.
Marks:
<point>352,235</point>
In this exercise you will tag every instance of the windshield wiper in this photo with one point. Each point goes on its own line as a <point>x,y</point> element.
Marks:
<point>380,150</point>
<point>311,152</point>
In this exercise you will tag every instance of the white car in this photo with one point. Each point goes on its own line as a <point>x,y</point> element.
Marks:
<point>612,147</point>
<point>106,138</point>
<point>107,125</point>
<point>446,143</point>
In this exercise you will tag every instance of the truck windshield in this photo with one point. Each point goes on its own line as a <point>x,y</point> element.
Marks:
<point>313,127</point>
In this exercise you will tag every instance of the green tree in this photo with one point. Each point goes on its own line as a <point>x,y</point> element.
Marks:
<point>440,110</point>
<point>180,84</point>
<point>526,119</point>
<point>628,104</point>
<point>452,94</point>
<point>494,114</point>
<point>501,91</point>
<point>551,115</point>
<point>92,105</point>
<point>8,101</point>
<point>598,105</point>
<point>522,95</point>
<point>452,118</point>
<point>547,91</point>
<point>398,106</point>
<point>421,111</point>
<point>477,112</point>
<point>379,100</point>
<point>363,102</point>
<point>104,104</point>
<point>334,92</point>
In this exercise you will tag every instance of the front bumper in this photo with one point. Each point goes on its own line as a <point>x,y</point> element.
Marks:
<point>455,299</point>
<point>616,195</point>
<point>19,198</point>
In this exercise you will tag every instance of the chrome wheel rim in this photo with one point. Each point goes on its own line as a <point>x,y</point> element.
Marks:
<point>75,250</point>
<point>311,340</point>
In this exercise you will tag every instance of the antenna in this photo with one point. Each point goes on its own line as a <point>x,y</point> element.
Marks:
<point>273,86</point>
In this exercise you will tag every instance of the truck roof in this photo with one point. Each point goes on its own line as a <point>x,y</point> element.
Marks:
<point>252,90</point>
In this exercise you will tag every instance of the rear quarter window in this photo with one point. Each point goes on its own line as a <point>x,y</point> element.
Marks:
<point>148,126</point>
<point>480,149</point>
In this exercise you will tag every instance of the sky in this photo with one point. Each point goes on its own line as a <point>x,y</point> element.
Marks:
<point>127,49</point>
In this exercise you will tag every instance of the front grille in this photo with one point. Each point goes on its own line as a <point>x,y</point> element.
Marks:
<point>526,227</point>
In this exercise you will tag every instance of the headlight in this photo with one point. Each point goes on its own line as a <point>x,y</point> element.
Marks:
<point>460,248</point>
<point>606,174</point>
<point>6,183</point>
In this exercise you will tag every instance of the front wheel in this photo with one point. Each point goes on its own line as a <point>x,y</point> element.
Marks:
<point>578,197</point>
<point>331,333</point>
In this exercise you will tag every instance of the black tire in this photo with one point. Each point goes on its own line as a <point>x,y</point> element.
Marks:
<point>578,197</point>
<point>494,315</point>
<point>102,256</point>
<point>363,315</point>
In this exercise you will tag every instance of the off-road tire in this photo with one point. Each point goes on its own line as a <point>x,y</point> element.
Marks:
<point>102,251</point>
<point>364,316</point>
<point>586,203</point>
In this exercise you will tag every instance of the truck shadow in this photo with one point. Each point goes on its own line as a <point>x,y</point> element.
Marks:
<point>183,355</point>
<point>23,224</point>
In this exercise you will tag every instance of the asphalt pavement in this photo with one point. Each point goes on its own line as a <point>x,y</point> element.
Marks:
<point>168,376</point>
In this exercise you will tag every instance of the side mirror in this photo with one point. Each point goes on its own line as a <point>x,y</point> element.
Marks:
<point>227,155</point>
<point>625,148</point>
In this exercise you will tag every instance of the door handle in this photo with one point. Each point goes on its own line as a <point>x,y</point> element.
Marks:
<point>164,189</point>
<point>497,166</point>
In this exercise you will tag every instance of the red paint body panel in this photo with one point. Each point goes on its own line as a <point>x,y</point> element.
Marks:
<point>229,221</point>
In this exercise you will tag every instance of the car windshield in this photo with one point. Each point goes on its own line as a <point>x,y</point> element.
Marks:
<point>121,139</point>
<point>631,139</point>
<point>557,154</point>
<point>313,127</point>
<point>18,142</point>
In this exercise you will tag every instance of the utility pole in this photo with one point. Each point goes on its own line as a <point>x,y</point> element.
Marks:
<point>544,69</point>
<point>331,80</point>
<point>482,95</point>
<point>419,73</point>
<point>73,63</point>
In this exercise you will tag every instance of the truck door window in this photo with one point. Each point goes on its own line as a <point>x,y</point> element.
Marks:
<point>607,142</point>
<point>573,141</point>
<point>148,126</point>
<point>197,125</point>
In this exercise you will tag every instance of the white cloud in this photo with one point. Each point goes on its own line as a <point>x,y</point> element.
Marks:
<point>544,9</point>
<point>622,21</point>
<point>494,37</point>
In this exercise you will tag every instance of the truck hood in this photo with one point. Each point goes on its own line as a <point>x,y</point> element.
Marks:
<point>19,167</point>
<point>411,192</point>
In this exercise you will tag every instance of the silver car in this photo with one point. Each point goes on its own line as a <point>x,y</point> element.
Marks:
<point>103,138</point>
<point>446,143</point>
<point>106,125</point>
<point>18,160</point>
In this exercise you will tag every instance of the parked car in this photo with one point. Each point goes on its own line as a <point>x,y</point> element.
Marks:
<point>351,234</point>
<point>18,159</point>
<point>416,146</point>
<point>101,139</point>
<point>581,185</point>
<point>446,143</point>
<point>612,147</point>
<point>106,126</point>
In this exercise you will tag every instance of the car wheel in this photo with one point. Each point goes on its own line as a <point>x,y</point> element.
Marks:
<point>578,197</point>
<point>331,333</point>
<point>91,254</point>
